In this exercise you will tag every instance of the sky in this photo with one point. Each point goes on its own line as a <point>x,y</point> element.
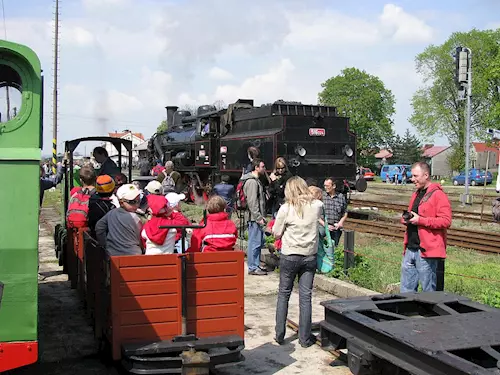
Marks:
<point>123,61</point>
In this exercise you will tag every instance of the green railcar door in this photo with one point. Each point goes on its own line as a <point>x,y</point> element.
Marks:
<point>20,154</point>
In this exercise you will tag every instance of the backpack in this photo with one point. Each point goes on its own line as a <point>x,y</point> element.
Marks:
<point>157,170</point>
<point>78,209</point>
<point>168,183</point>
<point>495,210</point>
<point>241,200</point>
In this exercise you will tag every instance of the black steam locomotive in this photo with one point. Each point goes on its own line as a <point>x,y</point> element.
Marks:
<point>315,141</point>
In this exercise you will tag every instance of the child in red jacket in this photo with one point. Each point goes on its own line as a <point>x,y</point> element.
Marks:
<point>220,233</point>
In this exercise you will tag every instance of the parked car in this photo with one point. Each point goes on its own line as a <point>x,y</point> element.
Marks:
<point>367,174</point>
<point>476,177</point>
<point>389,171</point>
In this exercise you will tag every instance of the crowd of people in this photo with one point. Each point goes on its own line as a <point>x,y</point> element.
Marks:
<point>306,222</point>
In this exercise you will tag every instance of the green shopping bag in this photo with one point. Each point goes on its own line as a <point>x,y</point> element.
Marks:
<point>326,249</point>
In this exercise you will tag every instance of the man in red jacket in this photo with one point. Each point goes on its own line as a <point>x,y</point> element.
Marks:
<point>428,219</point>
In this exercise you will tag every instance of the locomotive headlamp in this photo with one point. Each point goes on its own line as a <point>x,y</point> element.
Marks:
<point>348,151</point>
<point>294,163</point>
<point>301,151</point>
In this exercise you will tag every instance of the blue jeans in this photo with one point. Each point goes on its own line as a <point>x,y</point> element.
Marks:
<point>292,266</point>
<point>415,269</point>
<point>255,244</point>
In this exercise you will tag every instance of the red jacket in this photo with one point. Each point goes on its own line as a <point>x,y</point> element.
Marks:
<point>219,235</point>
<point>435,218</point>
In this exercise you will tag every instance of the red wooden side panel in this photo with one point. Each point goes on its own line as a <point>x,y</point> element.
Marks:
<point>215,293</point>
<point>80,254</point>
<point>145,299</point>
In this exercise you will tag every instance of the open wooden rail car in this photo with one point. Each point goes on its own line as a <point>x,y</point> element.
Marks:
<point>148,309</point>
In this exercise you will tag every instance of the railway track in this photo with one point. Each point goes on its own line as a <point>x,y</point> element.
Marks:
<point>337,354</point>
<point>485,242</point>
<point>401,190</point>
<point>457,214</point>
<point>405,195</point>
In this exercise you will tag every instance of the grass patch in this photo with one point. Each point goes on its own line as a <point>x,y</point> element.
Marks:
<point>53,198</point>
<point>378,266</point>
<point>192,211</point>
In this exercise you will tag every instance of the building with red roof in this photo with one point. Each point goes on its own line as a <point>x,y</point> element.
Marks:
<point>136,138</point>
<point>437,157</point>
<point>480,155</point>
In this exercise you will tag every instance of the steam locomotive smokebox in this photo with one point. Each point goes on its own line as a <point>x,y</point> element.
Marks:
<point>432,333</point>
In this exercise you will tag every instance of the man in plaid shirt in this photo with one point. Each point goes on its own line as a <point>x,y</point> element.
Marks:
<point>335,205</point>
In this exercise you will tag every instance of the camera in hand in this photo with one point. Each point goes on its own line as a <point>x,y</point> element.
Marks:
<point>407,215</point>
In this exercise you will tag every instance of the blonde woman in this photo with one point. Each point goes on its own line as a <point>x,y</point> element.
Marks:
<point>297,225</point>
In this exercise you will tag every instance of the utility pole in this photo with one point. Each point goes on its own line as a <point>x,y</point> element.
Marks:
<point>54,95</point>
<point>464,81</point>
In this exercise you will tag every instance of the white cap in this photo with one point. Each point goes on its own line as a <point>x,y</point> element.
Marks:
<point>154,187</point>
<point>174,199</point>
<point>128,192</point>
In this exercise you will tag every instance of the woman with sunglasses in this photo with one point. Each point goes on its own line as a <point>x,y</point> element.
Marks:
<point>119,231</point>
<point>278,178</point>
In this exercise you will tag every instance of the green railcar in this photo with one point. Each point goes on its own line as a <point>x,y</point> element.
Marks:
<point>20,154</point>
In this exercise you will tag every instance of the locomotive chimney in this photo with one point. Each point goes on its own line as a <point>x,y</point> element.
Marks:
<point>170,114</point>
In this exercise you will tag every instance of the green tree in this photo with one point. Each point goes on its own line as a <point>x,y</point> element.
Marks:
<point>366,101</point>
<point>406,149</point>
<point>162,127</point>
<point>437,108</point>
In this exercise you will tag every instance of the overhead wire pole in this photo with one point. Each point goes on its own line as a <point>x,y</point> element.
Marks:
<point>54,97</point>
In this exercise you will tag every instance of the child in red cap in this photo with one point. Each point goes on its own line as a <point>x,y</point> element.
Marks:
<point>157,240</point>
<point>220,233</point>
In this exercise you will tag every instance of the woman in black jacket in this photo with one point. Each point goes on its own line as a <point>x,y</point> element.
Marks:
<point>278,178</point>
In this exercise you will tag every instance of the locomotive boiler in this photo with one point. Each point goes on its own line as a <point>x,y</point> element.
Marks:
<point>315,141</point>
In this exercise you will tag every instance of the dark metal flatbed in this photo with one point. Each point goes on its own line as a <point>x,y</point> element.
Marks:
<point>433,333</point>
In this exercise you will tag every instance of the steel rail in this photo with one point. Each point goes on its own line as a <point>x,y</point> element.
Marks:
<point>480,241</point>
<point>457,214</point>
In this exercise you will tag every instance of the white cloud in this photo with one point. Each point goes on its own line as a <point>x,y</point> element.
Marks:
<point>155,86</point>
<point>403,27</point>
<point>99,4</point>
<point>219,74</point>
<point>492,25</point>
<point>120,103</point>
<point>78,35</point>
<point>266,87</point>
<point>316,28</point>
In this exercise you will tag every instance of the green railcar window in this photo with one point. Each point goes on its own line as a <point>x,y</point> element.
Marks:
<point>11,90</point>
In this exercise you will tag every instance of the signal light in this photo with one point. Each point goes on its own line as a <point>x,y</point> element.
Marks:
<point>462,65</point>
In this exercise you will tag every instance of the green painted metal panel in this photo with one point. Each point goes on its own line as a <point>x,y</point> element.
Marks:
<point>20,141</point>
